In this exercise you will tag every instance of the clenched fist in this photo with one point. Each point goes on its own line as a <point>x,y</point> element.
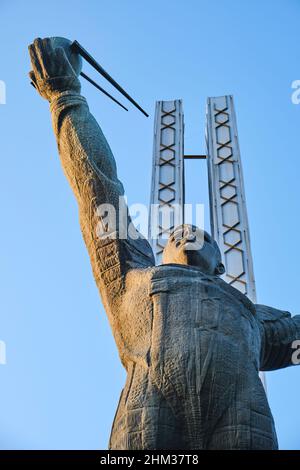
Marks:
<point>52,72</point>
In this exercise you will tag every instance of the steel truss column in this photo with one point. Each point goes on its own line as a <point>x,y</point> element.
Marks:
<point>229,221</point>
<point>167,187</point>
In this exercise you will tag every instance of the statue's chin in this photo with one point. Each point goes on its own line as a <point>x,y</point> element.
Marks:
<point>191,259</point>
<point>197,262</point>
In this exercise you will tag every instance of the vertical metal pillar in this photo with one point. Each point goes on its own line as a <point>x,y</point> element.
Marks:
<point>167,187</point>
<point>229,221</point>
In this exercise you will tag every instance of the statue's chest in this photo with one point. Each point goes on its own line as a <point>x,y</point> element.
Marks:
<point>200,324</point>
<point>184,300</point>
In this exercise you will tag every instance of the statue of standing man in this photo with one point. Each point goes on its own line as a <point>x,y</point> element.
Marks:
<point>192,345</point>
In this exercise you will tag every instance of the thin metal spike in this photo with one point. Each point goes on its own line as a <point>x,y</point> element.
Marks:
<point>102,89</point>
<point>80,50</point>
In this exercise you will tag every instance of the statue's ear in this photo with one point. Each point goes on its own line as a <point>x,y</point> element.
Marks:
<point>220,269</point>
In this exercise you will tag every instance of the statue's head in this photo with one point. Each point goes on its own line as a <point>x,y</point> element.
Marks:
<point>192,246</point>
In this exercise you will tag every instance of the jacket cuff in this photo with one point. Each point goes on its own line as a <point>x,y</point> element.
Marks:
<point>66,99</point>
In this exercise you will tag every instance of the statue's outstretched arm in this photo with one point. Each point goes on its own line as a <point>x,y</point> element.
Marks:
<point>280,338</point>
<point>90,167</point>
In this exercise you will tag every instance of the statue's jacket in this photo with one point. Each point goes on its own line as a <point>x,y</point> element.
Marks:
<point>191,343</point>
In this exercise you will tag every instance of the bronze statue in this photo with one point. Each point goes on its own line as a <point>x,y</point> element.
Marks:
<point>192,345</point>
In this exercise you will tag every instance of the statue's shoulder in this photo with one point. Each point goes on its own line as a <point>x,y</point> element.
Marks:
<point>236,294</point>
<point>265,313</point>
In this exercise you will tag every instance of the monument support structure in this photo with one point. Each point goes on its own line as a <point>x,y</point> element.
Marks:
<point>228,213</point>
<point>167,187</point>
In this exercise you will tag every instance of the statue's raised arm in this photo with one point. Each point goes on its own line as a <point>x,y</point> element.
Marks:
<point>91,171</point>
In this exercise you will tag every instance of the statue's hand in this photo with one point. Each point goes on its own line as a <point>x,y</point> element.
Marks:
<point>51,72</point>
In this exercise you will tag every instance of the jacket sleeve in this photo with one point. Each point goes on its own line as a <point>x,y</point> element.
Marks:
<point>280,334</point>
<point>90,168</point>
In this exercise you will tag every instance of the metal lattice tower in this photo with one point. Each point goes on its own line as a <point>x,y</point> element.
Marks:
<point>167,188</point>
<point>228,213</point>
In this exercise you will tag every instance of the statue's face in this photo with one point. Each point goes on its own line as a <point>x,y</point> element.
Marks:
<point>192,246</point>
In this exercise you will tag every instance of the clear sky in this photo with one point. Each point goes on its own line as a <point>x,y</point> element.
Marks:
<point>63,377</point>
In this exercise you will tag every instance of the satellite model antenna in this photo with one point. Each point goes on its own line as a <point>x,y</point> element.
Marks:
<point>75,52</point>
<point>76,47</point>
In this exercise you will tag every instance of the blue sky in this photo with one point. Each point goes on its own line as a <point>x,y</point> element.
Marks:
<point>63,377</point>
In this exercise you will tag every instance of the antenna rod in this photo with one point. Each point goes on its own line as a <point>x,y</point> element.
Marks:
<point>75,46</point>
<point>102,89</point>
